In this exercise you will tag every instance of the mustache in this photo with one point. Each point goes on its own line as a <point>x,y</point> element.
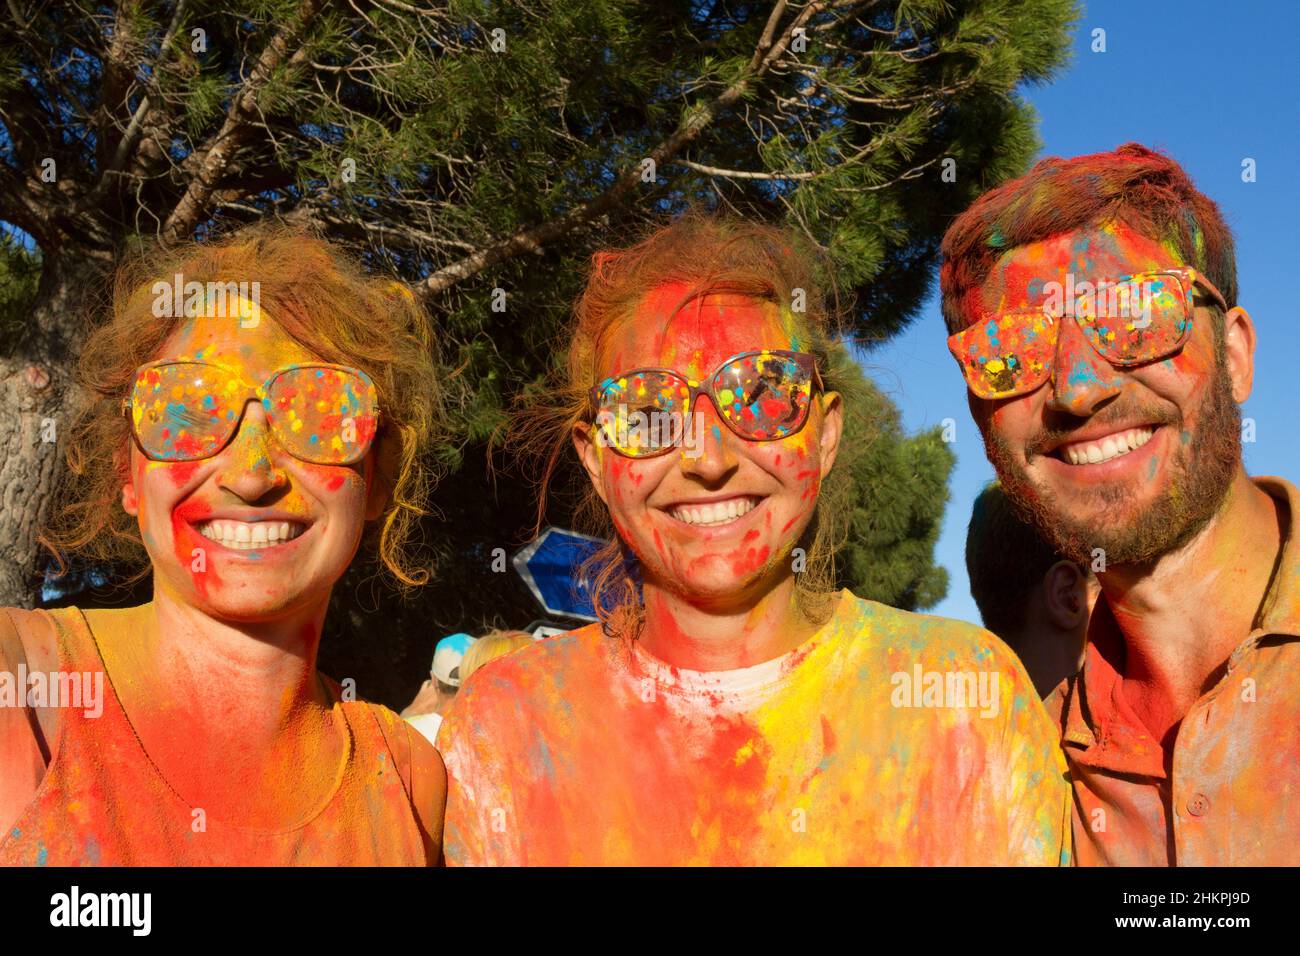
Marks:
<point>1129,414</point>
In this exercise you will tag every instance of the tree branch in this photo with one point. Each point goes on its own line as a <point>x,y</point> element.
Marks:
<point>532,239</point>
<point>241,117</point>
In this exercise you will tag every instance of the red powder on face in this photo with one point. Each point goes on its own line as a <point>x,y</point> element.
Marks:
<point>186,539</point>
<point>752,560</point>
<point>335,483</point>
<point>182,471</point>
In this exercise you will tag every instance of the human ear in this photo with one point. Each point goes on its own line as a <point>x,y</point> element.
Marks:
<point>1065,595</point>
<point>130,499</point>
<point>1239,345</point>
<point>832,427</point>
<point>590,451</point>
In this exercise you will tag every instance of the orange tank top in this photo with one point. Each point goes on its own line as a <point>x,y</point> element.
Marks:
<point>103,801</point>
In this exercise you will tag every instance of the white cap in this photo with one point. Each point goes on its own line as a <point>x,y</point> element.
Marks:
<point>447,656</point>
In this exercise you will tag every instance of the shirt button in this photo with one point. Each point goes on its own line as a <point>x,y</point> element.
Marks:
<point>1198,805</point>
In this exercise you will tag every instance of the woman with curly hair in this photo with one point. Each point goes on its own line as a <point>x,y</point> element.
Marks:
<point>732,707</point>
<point>255,403</point>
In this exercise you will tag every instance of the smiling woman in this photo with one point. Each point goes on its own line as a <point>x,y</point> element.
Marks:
<point>731,707</point>
<point>237,451</point>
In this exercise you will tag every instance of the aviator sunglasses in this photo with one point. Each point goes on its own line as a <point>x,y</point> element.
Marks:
<point>188,411</point>
<point>1129,321</point>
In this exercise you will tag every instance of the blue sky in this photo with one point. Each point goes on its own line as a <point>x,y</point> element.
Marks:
<point>1211,85</point>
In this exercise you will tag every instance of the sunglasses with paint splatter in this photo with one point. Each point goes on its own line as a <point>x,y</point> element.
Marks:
<point>761,396</point>
<point>188,411</point>
<point>1129,321</point>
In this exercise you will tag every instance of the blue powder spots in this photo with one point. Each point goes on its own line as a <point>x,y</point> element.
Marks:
<point>1151,468</point>
<point>996,239</point>
<point>1083,374</point>
<point>16,833</point>
<point>42,855</point>
<point>1185,436</point>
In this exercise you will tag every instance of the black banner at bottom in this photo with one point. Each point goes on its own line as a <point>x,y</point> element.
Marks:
<point>398,907</point>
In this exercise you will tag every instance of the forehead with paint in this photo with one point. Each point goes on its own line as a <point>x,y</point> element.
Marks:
<point>1107,252</point>
<point>668,329</point>
<point>256,346</point>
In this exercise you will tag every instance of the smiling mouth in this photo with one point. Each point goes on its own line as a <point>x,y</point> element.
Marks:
<point>715,514</point>
<point>250,535</point>
<point>1105,449</point>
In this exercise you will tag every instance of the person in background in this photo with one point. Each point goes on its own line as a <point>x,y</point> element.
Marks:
<point>436,694</point>
<point>493,644</point>
<point>1035,600</point>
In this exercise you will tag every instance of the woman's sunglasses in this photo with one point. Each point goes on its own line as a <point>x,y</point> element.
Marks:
<point>761,396</point>
<point>188,411</point>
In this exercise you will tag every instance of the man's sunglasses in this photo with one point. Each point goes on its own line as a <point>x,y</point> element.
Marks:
<point>761,396</point>
<point>1129,321</point>
<point>188,411</point>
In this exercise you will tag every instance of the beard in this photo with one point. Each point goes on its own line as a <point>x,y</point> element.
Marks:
<point>1202,472</point>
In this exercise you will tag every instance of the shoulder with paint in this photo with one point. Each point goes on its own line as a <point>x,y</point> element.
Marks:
<point>546,656</point>
<point>29,638</point>
<point>28,645</point>
<point>886,627</point>
<point>525,679</point>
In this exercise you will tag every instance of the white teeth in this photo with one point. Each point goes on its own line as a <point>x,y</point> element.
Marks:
<point>249,535</point>
<point>1112,446</point>
<point>708,515</point>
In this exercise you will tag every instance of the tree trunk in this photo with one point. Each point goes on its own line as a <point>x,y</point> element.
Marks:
<point>37,391</point>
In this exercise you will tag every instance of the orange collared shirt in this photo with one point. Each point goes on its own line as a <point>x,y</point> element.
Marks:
<point>1232,794</point>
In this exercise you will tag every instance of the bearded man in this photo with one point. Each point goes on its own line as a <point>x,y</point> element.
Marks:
<point>1092,308</point>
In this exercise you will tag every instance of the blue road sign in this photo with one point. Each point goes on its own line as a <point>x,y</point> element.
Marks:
<point>550,567</point>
